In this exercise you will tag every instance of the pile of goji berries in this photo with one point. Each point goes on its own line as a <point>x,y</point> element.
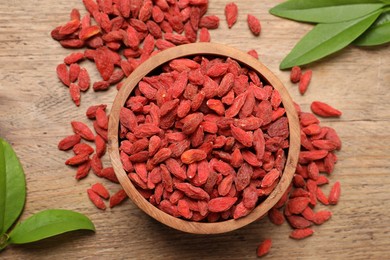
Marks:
<point>204,139</point>
<point>118,36</point>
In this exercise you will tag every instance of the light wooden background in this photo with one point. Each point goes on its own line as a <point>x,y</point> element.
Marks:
<point>35,111</point>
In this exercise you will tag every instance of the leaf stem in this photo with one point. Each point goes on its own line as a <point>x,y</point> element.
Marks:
<point>4,241</point>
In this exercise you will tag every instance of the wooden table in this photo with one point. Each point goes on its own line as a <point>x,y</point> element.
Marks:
<point>35,111</point>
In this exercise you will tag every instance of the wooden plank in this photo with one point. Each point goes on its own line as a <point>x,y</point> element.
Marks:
<point>35,111</point>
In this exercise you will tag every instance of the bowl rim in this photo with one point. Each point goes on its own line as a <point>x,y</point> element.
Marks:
<point>243,58</point>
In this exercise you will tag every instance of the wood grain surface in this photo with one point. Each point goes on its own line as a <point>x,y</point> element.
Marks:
<point>35,111</point>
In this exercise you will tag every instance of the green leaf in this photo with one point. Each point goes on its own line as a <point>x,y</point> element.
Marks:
<point>2,189</point>
<point>12,185</point>
<point>48,223</point>
<point>325,39</point>
<point>325,11</point>
<point>378,33</point>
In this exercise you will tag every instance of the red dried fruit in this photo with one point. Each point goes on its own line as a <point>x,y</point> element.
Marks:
<point>216,105</point>
<point>193,155</point>
<point>324,110</point>
<point>275,216</point>
<point>304,81</point>
<point>253,53</point>
<point>313,171</point>
<point>203,173</point>
<point>146,130</point>
<point>63,74</point>
<point>248,106</point>
<point>184,209</point>
<point>221,204</point>
<point>298,222</point>
<point>104,63</point>
<point>91,111</point>
<point>168,107</point>
<point>321,216</point>
<point>295,74</point>
<point>175,169</point>
<point>100,190</point>
<point>96,165</point>
<point>240,211</point>
<point>70,27</point>
<point>73,58</point>
<point>209,22</point>
<point>251,158</point>
<point>82,130</point>
<point>298,204</point>
<point>312,155</point>
<point>117,198</point>
<point>225,185</point>
<point>161,156</point>
<point>226,84</point>
<point>231,13</point>
<point>96,199</point>
<point>139,157</point>
<point>235,108</point>
<point>254,24</point>
<point>331,135</point>
<point>191,122</point>
<point>83,148</point>
<point>100,145</point>
<point>204,35</point>
<point>270,178</point>
<point>192,191</point>
<point>77,159</point>
<point>72,43</point>
<point>83,170</point>
<point>88,32</point>
<point>84,80</point>
<point>68,142</point>
<point>147,90</point>
<point>334,194</point>
<point>250,197</point>
<point>243,177</point>
<point>301,233</point>
<point>101,118</point>
<point>245,138</point>
<point>264,247</point>
<point>109,174</point>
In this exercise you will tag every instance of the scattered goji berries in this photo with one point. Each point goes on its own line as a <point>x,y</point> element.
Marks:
<point>317,157</point>
<point>125,35</point>
<point>302,78</point>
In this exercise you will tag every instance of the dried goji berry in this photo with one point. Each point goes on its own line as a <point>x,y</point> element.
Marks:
<point>304,81</point>
<point>301,233</point>
<point>117,198</point>
<point>334,194</point>
<point>264,247</point>
<point>231,13</point>
<point>96,199</point>
<point>254,24</point>
<point>324,110</point>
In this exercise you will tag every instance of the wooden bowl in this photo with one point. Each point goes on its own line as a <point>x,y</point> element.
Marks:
<point>214,50</point>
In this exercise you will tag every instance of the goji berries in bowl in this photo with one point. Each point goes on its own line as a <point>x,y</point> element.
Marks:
<point>204,138</point>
